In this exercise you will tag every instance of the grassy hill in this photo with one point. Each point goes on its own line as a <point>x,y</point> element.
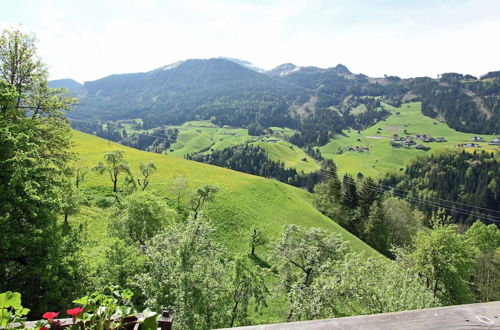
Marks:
<point>196,136</point>
<point>243,200</point>
<point>291,155</point>
<point>381,157</point>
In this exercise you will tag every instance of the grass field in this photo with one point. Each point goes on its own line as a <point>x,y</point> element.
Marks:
<point>381,156</point>
<point>243,201</point>
<point>290,154</point>
<point>196,136</point>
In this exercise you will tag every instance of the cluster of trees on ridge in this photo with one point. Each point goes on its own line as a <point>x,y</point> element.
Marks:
<point>157,140</point>
<point>254,160</point>
<point>466,183</point>
<point>42,257</point>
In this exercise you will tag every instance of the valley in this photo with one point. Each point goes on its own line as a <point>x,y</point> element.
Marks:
<point>214,194</point>
<point>371,154</point>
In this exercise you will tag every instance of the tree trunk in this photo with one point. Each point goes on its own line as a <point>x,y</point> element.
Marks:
<point>114,185</point>
<point>253,251</point>
<point>66,218</point>
<point>233,315</point>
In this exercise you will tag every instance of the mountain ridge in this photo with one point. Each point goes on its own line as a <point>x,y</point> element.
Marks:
<point>232,93</point>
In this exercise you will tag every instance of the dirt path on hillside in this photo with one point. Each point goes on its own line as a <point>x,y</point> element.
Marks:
<point>480,104</point>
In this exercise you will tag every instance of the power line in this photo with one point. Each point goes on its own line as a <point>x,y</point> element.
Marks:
<point>438,205</point>
<point>435,203</point>
<point>429,203</point>
<point>437,200</point>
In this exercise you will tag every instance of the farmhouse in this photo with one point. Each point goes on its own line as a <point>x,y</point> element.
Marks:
<point>409,143</point>
<point>495,142</point>
<point>469,145</point>
<point>477,139</point>
<point>358,149</point>
<point>396,145</point>
<point>422,147</point>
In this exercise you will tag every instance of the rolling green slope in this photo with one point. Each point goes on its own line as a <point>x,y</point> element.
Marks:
<point>291,155</point>
<point>196,136</point>
<point>381,157</point>
<point>243,200</point>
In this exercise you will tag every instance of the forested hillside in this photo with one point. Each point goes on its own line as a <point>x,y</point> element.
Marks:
<point>318,102</point>
<point>464,183</point>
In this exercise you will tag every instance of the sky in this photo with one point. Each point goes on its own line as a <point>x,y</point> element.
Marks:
<point>89,39</point>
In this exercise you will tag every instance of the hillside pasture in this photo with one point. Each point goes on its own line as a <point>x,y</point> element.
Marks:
<point>243,201</point>
<point>381,157</point>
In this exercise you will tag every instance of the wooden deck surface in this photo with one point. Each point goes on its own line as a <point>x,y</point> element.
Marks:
<point>473,316</point>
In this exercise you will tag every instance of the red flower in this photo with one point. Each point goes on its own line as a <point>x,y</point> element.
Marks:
<point>74,312</point>
<point>50,316</point>
<point>43,328</point>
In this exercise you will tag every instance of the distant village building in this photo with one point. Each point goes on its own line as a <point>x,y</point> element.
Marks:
<point>440,139</point>
<point>469,145</point>
<point>477,139</point>
<point>358,149</point>
<point>409,143</point>
<point>495,142</point>
<point>422,147</point>
<point>396,144</point>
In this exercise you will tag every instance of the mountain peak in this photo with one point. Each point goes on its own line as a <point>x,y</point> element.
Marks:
<point>170,66</point>
<point>340,68</point>
<point>241,62</point>
<point>283,69</point>
<point>72,85</point>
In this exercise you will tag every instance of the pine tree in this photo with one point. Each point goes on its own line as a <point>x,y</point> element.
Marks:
<point>376,229</point>
<point>367,195</point>
<point>333,183</point>
<point>349,192</point>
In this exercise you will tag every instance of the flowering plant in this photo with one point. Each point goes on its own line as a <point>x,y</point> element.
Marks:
<point>100,311</point>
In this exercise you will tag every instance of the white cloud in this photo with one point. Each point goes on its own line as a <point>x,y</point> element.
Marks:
<point>137,35</point>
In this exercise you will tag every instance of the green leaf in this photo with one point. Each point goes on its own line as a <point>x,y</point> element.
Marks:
<point>22,311</point>
<point>4,317</point>
<point>10,299</point>
<point>148,320</point>
<point>82,301</point>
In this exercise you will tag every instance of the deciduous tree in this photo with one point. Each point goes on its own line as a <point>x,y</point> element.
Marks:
<point>257,238</point>
<point>141,216</point>
<point>146,170</point>
<point>34,154</point>
<point>114,164</point>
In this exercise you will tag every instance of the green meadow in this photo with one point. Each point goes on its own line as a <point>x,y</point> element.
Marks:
<point>204,136</point>
<point>243,201</point>
<point>382,157</point>
<point>291,155</point>
<point>196,136</point>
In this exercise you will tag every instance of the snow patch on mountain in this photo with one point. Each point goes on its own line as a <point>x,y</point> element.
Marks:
<point>171,66</point>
